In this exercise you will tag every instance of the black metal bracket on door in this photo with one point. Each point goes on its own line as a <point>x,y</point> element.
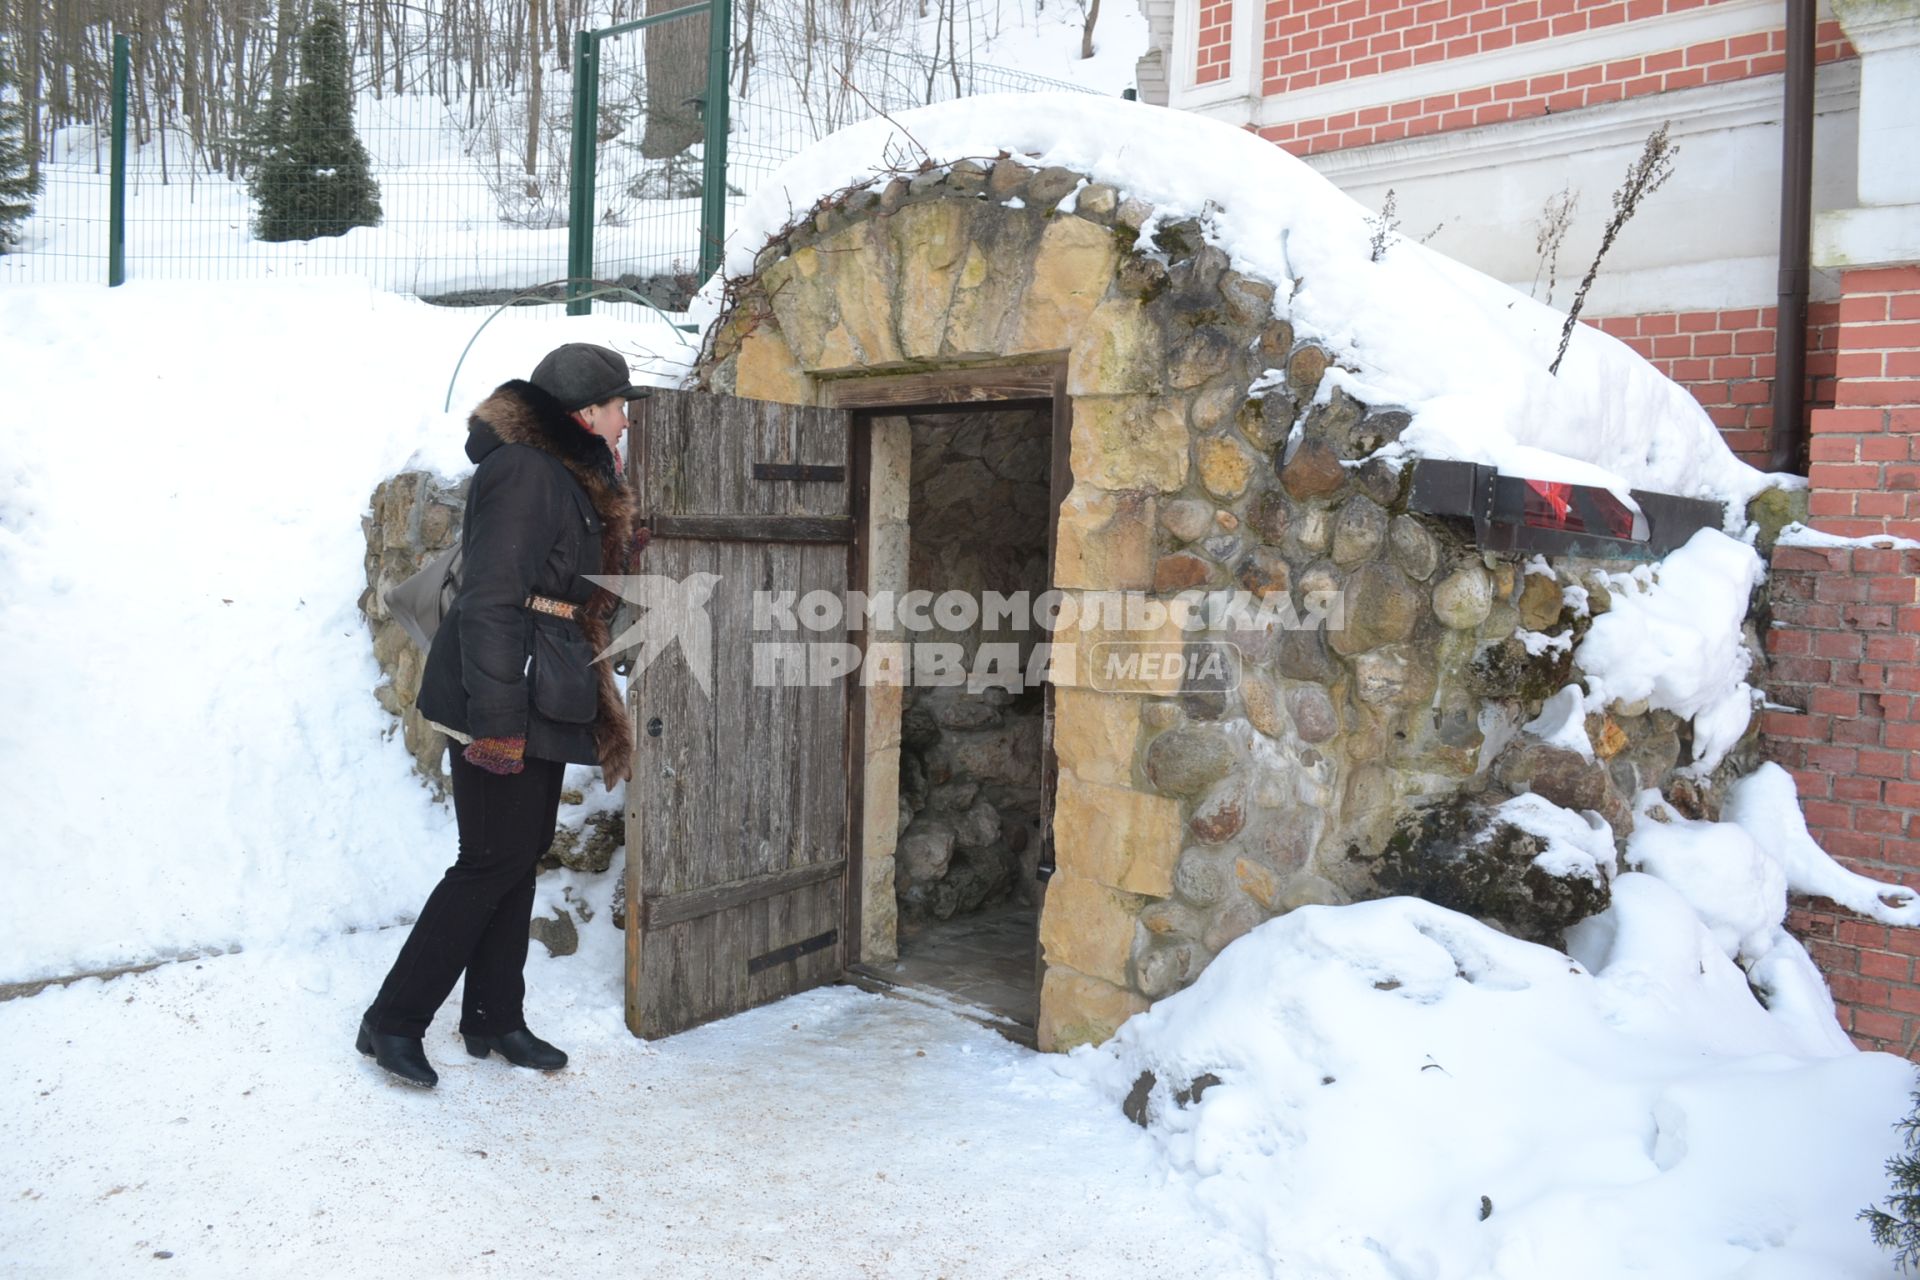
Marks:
<point>793,951</point>
<point>803,472</point>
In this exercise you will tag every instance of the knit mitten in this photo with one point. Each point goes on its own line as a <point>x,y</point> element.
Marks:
<point>497,755</point>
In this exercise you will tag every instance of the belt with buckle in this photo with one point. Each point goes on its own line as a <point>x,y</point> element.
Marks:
<point>558,608</point>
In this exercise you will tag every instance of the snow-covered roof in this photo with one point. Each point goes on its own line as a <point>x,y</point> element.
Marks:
<point>1466,354</point>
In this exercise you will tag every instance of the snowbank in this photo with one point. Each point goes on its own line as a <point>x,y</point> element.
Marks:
<point>1404,1092</point>
<point>192,758</point>
<point>1674,639</point>
<point>1465,353</point>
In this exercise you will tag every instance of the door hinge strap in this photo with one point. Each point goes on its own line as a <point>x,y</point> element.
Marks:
<point>793,951</point>
<point>805,472</point>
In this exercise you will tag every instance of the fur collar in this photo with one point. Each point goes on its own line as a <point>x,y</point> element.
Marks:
<point>520,413</point>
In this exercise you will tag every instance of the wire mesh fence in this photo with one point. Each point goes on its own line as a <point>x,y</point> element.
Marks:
<point>473,190</point>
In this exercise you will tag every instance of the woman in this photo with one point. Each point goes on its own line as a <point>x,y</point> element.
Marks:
<point>512,680</point>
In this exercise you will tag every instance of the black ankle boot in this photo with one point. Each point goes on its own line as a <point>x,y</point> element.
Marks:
<point>401,1056</point>
<point>522,1048</point>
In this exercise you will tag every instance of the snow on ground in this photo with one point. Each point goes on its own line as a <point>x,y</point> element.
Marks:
<point>191,757</point>
<point>1403,1092</point>
<point>1465,353</point>
<point>193,760</point>
<point>216,1111</point>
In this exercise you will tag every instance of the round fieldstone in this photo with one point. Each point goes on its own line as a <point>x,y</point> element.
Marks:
<point>1379,480</point>
<point>924,852</point>
<point>1305,889</point>
<point>1314,471</point>
<point>1261,700</point>
<point>1201,877</point>
<point>1464,598</point>
<point>1187,519</point>
<point>1312,531</point>
<point>1264,570</point>
<point>1382,608</point>
<point>1414,549</point>
<point>1305,368</point>
<point>1220,816</point>
<point>1215,405</point>
<point>1248,301</point>
<point>1050,186</point>
<point>1271,516</point>
<point>1359,531</point>
<point>1181,571</point>
<point>1141,277</point>
<point>1008,178</point>
<point>1185,762</point>
<point>1206,353</point>
<point>1132,214</point>
<point>1312,711</point>
<point>1160,970</point>
<point>1097,200</point>
<point>1304,656</point>
<point>1274,344</point>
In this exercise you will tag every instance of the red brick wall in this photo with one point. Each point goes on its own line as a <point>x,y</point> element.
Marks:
<point>1725,358</point>
<point>1215,57</point>
<point>1318,43</point>
<point>1844,653</point>
<point>1866,448</point>
<point>1391,119</point>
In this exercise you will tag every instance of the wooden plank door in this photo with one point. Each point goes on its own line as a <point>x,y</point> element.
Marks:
<point>738,838</point>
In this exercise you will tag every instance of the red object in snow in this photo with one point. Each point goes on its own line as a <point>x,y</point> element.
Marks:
<point>1555,504</point>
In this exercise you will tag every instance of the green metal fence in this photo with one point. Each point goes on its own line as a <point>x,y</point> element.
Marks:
<point>485,195</point>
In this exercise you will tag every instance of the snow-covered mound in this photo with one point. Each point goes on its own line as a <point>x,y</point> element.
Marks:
<point>1403,1092</point>
<point>191,757</point>
<point>1465,353</point>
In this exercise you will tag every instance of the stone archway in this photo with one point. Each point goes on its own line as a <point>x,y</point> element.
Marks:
<point>978,265</point>
<point>1184,816</point>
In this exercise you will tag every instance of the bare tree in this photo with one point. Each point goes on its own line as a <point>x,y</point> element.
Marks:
<point>676,81</point>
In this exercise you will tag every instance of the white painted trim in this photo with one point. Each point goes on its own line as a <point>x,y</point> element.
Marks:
<point>1720,21</point>
<point>1235,98</point>
<point>1878,236</point>
<point>1731,104</point>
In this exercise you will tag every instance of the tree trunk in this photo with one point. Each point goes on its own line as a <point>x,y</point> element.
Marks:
<point>1086,34</point>
<point>676,75</point>
<point>534,60</point>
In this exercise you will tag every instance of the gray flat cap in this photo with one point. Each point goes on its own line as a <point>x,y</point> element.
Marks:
<point>580,374</point>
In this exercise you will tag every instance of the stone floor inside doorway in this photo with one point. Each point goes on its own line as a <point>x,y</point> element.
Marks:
<point>984,959</point>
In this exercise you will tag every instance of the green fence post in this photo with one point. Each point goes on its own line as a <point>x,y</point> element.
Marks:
<point>713,182</point>
<point>117,189</point>
<point>580,194</point>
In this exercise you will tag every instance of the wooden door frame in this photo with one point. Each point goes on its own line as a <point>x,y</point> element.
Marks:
<point>1039,383</point>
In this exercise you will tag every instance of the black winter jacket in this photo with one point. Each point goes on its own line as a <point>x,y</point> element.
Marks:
<point>546,508</point>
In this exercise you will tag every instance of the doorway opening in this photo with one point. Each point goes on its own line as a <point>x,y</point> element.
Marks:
<point>974,747</point>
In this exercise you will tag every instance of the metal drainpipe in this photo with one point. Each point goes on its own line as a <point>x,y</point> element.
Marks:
<point>1787,438</point>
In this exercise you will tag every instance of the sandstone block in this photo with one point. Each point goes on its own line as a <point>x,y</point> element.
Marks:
<point>1115,836</point>
<point>1069,276</point>
<point>1094,735</point>
<point>1077,1010</point>
<point>1130,442</point>
<point>1088,927</point>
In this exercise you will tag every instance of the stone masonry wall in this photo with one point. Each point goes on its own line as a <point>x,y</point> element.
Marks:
<point>1347,761</point>
<point>970,761</point>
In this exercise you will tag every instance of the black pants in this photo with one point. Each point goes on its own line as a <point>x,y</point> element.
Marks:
<point>476,917</point>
